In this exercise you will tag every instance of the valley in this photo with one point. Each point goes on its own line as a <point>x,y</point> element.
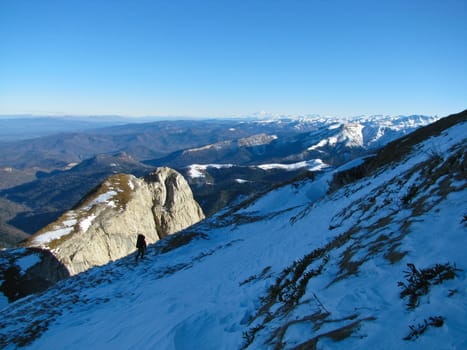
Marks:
<point>41,178</point>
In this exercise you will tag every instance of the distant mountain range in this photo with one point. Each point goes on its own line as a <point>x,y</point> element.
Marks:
<point>42,177</point>
<point>288,141</point>
<point>23,127</point>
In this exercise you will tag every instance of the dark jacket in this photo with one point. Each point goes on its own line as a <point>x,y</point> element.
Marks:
<point>141,242</point>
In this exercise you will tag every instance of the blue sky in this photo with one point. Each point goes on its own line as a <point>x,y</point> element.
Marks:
<point>222,58</point>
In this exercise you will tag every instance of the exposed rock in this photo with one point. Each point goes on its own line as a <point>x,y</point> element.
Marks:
<point>103,226</point>
<point>27,271</point>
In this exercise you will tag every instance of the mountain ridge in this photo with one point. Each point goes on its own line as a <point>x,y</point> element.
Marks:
<point>153,139</point>
<point>296,268</point>
<point>41,194</point>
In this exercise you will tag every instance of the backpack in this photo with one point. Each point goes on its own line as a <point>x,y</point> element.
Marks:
<point>140,241</point>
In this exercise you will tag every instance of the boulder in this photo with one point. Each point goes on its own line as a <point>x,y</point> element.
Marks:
<point>104,225</point>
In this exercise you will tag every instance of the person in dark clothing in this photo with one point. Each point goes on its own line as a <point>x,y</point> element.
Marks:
<point>141,245</point>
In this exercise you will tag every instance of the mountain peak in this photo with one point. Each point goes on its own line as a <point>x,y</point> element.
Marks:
<point>103,226</point>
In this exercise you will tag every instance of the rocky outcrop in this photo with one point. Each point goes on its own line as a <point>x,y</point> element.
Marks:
<point>26,271</point>
<point>104,225</point>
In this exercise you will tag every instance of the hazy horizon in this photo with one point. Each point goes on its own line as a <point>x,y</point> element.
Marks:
<point>255,115</point>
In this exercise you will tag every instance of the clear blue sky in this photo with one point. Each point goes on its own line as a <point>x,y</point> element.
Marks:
<point>214,58</point>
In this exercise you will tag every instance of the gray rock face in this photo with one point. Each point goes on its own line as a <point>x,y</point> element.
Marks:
<point>104,226</point>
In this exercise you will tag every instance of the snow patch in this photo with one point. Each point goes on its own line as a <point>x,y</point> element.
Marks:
<point>86,223</point>
<point>102,198</point>
<point>197,170</point>
<point>49,236</point>
<point>312,165</point>
<point>320,144</point>
<point>241,181</point>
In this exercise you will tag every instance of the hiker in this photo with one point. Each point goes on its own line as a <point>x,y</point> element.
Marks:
<point>141,245</point>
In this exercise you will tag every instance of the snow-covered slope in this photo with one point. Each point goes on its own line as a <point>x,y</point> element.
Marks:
<point>294,269</point>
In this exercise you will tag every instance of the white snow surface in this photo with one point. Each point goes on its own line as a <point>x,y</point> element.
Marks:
<point>198,170</point>
<point>312,165</point>
<point>68,224</point>
<point>369,131</point>
<point>86,222</point>
<point>58,231</point>
<point>207,293</point>
<point>102,198</point>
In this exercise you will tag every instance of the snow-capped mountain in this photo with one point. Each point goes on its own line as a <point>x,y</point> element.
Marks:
<point>368,256</point>
<point>225,172</point>
<point>293,139</point>
<point>41,178</point>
